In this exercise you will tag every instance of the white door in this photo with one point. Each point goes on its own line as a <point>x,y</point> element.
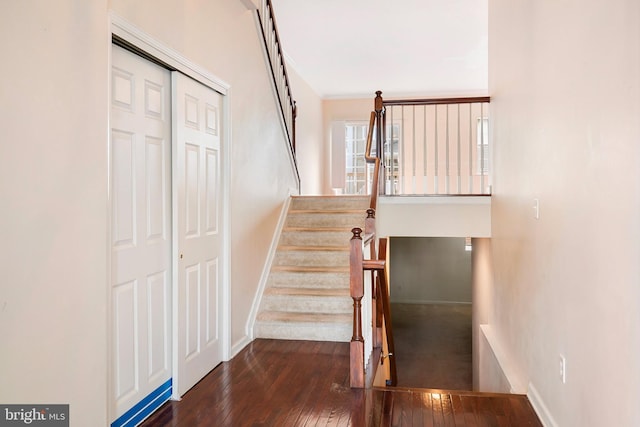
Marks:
<point>198,231</point>
<point>141,270</point>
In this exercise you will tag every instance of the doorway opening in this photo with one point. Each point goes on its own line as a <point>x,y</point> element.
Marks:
<point>431,309</point>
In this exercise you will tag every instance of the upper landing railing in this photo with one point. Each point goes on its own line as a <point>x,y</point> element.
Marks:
<point>435,146</point>
<point>275,55</point>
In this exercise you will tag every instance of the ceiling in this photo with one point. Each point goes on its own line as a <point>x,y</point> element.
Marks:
<point>351,48</point>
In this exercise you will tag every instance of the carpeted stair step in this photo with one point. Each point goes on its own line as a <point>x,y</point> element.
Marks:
<point>312,236</point>
<point>320,278</point>
<point>326,219</point>
<point>308,300</point>
<point>330,202</point>
<point>304,326</point>
<point>311,257</point>
<point>307,292</point>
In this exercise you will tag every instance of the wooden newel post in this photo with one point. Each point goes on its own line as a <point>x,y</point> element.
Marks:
<point>370,222</point>
<point>357,292</point>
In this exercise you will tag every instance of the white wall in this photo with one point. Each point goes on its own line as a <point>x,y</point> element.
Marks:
<point>53,204</point>
<point>565,88</point>
<point>53,181</point>
<point>310,145</point>
<point>434,216</point>
<point>482,281</point>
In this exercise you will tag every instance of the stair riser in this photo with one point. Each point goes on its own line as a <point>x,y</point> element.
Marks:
<point>345,202</point>
<point>307,304</point>
<point>315,238</point>
<point>319,280</point>
<point>325,220</point>
<point>312,258</point>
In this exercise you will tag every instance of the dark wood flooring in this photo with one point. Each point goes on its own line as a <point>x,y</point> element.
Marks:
<point>303,383</point>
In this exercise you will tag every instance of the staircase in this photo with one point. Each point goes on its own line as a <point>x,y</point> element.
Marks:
<point>307,292</point>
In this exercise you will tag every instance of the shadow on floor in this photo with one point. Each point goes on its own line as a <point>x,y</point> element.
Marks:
<point>433,345</point>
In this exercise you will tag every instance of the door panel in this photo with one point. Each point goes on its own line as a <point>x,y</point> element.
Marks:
<point>141,228</point>
<point>197,181</point>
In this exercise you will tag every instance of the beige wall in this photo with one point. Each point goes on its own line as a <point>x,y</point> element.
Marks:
<point>53,220</point>
<point>565,87</point>
<point>53,181</point>
<point>310,145</point>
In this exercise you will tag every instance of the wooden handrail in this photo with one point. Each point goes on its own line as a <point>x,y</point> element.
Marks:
<point>288,107</point>
<point>437,101</point>
<point>375,123</point>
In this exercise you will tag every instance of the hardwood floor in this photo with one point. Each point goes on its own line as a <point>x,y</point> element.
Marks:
<point>305,383</point>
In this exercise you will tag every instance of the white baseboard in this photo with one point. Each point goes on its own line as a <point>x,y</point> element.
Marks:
<point>540,408</point>
<point>239,345</point>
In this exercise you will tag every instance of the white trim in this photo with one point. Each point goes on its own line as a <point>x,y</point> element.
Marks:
<point>540,408</point>
<point>239,345</point>
<point>264,277</point>
<point>226,139</point>
<point>132,34</point>
<point>435,200</point>
<point>111,403</point>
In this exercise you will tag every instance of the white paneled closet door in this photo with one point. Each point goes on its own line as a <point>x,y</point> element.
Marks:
<point>141,229</point>
<point>198,232</point>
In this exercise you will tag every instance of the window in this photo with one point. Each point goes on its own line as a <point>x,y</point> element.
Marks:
<point>355,142</point>
<point>350,139</point>
<point>482,135</point>
<point>390,152</point>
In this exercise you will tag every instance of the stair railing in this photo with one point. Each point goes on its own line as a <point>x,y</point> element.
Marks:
<point>377,304</point>
<point>437,146</point>
<point>275,55</point>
